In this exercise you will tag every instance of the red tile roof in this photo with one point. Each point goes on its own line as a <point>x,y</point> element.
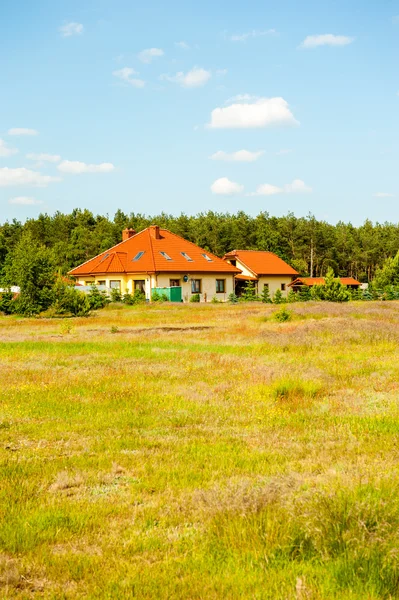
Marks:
<point>120,258</point>
<point>309,281</point>
<point>261,262</point>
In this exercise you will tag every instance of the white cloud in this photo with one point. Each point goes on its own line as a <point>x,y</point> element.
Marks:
<point>197,77</point>
<point>182,45</point>
<point>75,167</point>
<point>5,150</point>
<point>296,187</point>
<point>148,55</point>
<point>327,39</point>
<point>125,75</point>
<point>261,113</point>
<point>224,186</point>
<point>24,201</point>
<point>242,37</point>
<point>22,176</point>
<point>383,195</point>
<point>284,151</point>
<point>70,29</point>
<point>52,158</point>
<point>266,189</point>
<point>22,131</point>
<point>239,156</point>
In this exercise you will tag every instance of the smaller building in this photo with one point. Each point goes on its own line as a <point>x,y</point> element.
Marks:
<point>265,269</point>
<point>300,282</point>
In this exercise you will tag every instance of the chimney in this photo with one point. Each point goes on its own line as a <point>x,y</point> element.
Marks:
<point>127,233</point>
<point>154,229</point>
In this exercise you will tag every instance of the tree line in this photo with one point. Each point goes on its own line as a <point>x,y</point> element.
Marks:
<point>311,246</point>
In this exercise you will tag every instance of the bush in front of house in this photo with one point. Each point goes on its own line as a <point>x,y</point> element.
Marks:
<point>116,295</point>
<point>278,297</point>
<point>265,295</point>
<point>131,299</point>
<point>232,298</point>
<point>97,299</point>
<point>157,297</point>
<point>195,298</point>
<point>249,293</point>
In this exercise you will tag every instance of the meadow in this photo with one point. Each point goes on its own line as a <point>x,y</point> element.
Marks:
<point>201,452</point>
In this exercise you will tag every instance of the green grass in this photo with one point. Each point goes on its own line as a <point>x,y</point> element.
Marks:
<point>201,451</point>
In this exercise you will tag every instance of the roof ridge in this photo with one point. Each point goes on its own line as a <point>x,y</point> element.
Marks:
<point>193,244</point>
<point>108,250</point>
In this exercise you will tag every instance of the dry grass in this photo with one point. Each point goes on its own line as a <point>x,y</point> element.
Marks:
<point>201,451</point>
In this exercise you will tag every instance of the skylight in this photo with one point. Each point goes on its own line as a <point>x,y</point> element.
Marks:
<point>186,256</point>
<point>104,257</point>
<point>165,255</point>
<point>208,258</point>
<point>138,255</point>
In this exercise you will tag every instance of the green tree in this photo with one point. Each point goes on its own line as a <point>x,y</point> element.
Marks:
<point>31,266</point>
<point>278,297</point>
<point>265,295</point>
<point>388,274</point>
<point>333,290</point>
<point>249,292</point>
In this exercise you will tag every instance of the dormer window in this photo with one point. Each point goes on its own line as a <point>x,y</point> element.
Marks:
<point>138,256</point>
<point>208,258</point>
<point>186,256</point>
<point>166,256</point>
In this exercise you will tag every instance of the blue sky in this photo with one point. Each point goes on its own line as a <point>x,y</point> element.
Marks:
<point>148,107</point>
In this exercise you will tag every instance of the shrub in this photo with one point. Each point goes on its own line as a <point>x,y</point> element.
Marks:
<point>278,297</point>
<point>292,297</point>
<point>116,295</point>
<point>195,298</point>
<point>7,305</point>
<point>249,292</point>
<point>232,298</point>
<point>98,299</point>
<point>215,300</point>
<point>282,315</point>
<point>305,294</point>
<point>265,295</point>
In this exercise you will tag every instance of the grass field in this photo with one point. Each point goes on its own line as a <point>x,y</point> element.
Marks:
<point>201,451</point>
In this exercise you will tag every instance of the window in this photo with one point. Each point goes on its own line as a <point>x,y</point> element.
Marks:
<point>89,282</point>
<point>138,256</point>
<point>196,286</point>
<point>208,258</point>
<point>186,256</point>
<point>220,286</point>
<point>174,282</point>
<point>139,284</point>
<point>115,284</point>
<point>104,257</point>
<point>265,286</point>
<point>165,255</point>
<point>233,262</point>
<point>102,282</point>
<point>283,287</point>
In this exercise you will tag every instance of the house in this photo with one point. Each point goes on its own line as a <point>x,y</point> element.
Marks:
<point>265,269</point>
<point>157,259</point>
<point>302,282</point>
